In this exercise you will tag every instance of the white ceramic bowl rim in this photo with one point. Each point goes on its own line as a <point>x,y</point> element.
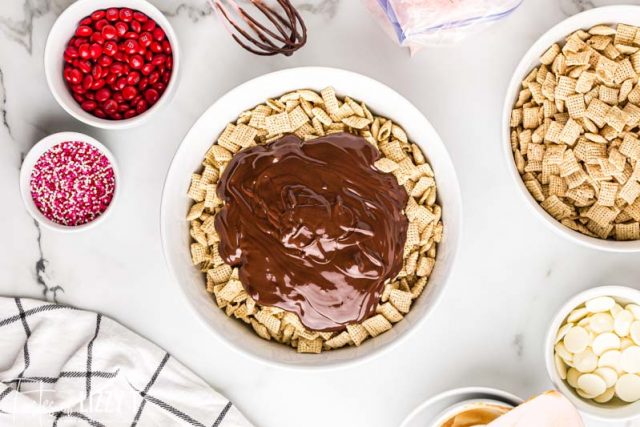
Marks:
<point>608,14</point>
<point>262,84</point>
<point>466,394</point>
<point>32,157</point>
<point>620,293</point>
<point>61,32</point>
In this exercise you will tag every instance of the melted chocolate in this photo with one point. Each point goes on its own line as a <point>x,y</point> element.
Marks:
<point>313,227</point>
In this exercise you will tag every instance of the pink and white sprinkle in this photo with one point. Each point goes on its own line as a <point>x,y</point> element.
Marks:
<point>72,183</point>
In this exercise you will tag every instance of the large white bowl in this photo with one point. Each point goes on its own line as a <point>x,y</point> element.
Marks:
<point>175,204</point>
<point>607,411</point>
<point>584,20</point>
<point>64,28</point>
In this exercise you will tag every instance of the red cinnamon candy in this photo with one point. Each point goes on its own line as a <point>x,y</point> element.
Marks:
<point>105,58</point>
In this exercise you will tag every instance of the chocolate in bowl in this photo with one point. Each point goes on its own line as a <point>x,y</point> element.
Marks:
<point>313,226</point>
<point>321,238</point>
<point>202,293</point>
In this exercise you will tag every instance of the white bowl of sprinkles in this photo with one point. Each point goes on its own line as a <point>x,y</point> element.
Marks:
<point>68,182</point>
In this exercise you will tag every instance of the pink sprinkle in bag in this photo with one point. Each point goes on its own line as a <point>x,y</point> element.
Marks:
<point>419,23</point>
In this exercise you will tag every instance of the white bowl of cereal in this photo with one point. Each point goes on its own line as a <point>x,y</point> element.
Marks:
<point>573,156</point>
<point>318,326</point>
<point>592,352</point>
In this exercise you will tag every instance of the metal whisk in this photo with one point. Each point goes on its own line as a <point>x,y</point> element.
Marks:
<point>282,30</point>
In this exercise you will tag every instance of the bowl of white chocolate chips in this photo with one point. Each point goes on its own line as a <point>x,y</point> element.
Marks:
<point>593,352</point>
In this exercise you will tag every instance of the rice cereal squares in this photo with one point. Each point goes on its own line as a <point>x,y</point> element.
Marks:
<point>304,116</point>
<point>597,351</point>
<point>575,132</point>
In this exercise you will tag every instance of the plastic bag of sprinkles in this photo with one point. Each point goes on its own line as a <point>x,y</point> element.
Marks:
<point>419,23</point>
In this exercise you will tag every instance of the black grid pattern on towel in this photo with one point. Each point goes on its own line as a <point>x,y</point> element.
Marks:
<point>5,393</point>
<point>223,413</point>
<point>90,354</point>
<point>32,311</point>
<point>27,331</point>
<point>77,415</point>
<point>146,397</point>
<point>89,374</point>
<point>144,392</point>
<point>63,374</point>
<point>22,316</point>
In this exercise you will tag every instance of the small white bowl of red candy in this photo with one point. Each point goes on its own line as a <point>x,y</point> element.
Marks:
<point>112,64</point>
<point>69,182</point>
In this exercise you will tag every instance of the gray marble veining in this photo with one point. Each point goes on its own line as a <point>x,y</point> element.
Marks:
<point>571,7</point>
<point>3,104</point>
<point>326,8</point>
<point>42,271</point>
<point>21,30</point>
<point>195,12</point>
<point>518,344</point>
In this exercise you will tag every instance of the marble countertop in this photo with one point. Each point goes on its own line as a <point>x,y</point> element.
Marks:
<point>512,272</point>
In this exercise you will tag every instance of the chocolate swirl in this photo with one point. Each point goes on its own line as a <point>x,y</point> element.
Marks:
<point>313,227</point>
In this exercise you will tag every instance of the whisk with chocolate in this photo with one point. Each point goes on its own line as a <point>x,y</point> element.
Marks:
<point>269,29</point>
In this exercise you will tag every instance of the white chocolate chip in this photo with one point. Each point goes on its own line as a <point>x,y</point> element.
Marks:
<point>601,322</point>
<point>610,359</point>
<point>617,308</point>
<point>634,332</point>
<point>577,314</point>
<point>584,394</point>
<point>561,367</point>
<point>628,388</point>
<point>600,304</point>
<point>585,361</point>
<point>563,352</point>
<point>564,329</point>
<point>592,385</point>
<point>634,309</point>
<point>622,323</point>
<point>577,340</point>
<point>630,359</point>
<point>606,396</point>
<point>605,342</point>
<point>572,377</point>
<point>609,375</point>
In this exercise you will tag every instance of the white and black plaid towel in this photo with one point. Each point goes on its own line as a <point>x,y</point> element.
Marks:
<point>63,367</point>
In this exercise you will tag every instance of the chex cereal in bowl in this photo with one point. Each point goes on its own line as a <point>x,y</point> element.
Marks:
<point>313,228</point>
<point>572,128</point>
